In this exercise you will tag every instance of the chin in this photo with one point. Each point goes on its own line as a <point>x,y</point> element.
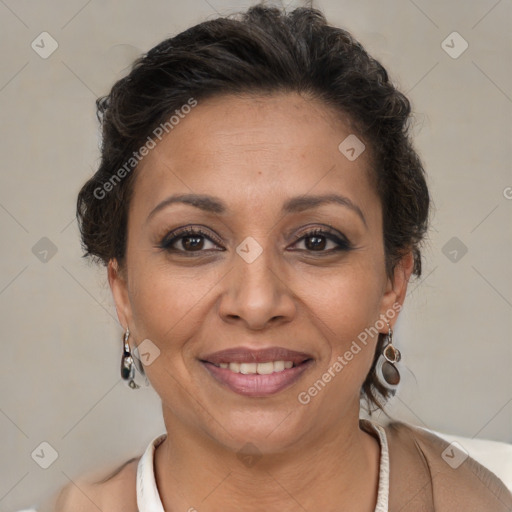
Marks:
<point>269,431</point>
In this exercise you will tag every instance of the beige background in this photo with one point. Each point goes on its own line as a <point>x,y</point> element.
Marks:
<point>60,341</point>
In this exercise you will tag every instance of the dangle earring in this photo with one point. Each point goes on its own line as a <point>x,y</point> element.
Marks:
<point>129,365</point>
<point>385,369</point>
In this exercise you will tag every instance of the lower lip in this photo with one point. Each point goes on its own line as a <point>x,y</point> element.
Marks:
<point>255,384</point>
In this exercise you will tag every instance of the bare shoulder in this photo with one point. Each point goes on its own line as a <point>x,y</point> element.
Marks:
<point>115,491</point>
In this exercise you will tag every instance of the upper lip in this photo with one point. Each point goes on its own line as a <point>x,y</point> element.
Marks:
<point>247,355</point>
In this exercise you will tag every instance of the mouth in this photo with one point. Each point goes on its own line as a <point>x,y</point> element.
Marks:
<point>256,373</point>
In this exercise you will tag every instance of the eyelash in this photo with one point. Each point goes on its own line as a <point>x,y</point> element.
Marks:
<point>168,241</point>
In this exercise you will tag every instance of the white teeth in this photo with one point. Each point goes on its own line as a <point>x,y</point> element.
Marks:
<point>259,368</point>
<point>246,368</point>
<point>234,367</point>
<point>280,365</point>
<point>265,368</point>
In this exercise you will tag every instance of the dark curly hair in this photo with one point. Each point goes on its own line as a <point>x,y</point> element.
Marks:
<point>261,51</point>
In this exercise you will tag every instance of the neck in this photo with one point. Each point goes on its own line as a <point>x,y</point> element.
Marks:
<point>194,472</point>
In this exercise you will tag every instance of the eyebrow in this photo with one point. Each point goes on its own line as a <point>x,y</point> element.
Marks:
<point>301,203</point>
<point>212,204</point>
<point>203,202</point>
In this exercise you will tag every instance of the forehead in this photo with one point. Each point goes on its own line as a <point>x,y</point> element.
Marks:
<point>254,150</point>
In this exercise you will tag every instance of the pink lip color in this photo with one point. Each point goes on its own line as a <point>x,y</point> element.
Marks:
<point>248,355</point>
<point>256,385</point>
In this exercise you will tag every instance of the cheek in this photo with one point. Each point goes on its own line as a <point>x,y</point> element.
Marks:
<point>168,305</point>
<point>344,307</point>
<point>346,298</point>
<point>166,310</point>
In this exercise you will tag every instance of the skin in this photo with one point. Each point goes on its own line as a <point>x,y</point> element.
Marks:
<point>253,153</point>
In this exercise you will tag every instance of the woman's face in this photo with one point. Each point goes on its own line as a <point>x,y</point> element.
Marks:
<point>274,267</point>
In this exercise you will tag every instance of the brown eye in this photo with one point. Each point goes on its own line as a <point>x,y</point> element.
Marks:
<point>188,240</point>
<point>192,242</point>
<point>315,242</point>
<point>318,240</point>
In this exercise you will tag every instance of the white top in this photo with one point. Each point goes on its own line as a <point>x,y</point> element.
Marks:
<point>148,499</point>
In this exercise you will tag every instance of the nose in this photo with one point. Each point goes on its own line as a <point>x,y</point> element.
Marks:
<point>257,293</point>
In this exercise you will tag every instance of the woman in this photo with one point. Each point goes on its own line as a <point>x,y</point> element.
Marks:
<point>260,209</point>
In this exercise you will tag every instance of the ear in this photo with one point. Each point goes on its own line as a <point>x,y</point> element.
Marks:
<point>119,287</point>
<point>396,287</point>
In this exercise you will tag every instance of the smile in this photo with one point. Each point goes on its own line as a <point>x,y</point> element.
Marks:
<point>259,368</point>
<point>256,373</point>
